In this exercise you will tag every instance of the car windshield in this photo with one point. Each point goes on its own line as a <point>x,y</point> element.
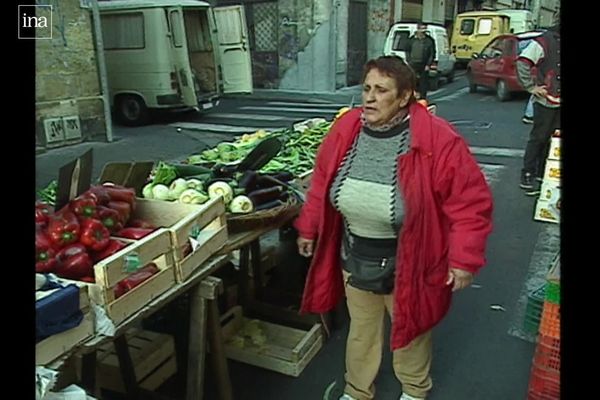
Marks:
<point>401,41</point>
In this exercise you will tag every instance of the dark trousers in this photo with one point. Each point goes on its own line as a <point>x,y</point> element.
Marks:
<point>545,121</point>
<point>422,79</point>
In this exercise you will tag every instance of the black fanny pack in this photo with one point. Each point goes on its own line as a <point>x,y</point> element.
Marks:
<point>370,262</point>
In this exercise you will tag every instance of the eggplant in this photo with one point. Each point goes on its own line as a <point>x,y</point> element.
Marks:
<point>268,205</point>
<point>283,176</point>
<point>262,196</point>
<point>267,181</point>
<point>248,181</point>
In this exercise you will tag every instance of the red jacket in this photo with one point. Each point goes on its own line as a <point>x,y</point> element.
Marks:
<point>447,221</point>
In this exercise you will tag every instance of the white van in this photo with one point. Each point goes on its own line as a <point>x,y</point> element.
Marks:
<point>520,20</point>
<point>397,41</point>
<point>172,54</point>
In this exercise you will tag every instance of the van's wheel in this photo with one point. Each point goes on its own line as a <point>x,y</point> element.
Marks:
<point>502,92</point>
<point>131,110</point>
<point>472,85</point>
<point>450,76</point>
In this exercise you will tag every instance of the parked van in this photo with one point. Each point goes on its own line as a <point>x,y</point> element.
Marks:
<point>473,30</point>
<point>398,39</point>
<point>172,54</point>
<point>520,20</point>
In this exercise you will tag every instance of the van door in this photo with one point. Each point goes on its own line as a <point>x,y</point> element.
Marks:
<point>179,53</point>
<point>234,51</point>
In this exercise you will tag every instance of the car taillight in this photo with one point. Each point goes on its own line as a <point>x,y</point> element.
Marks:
<point>174,83</point>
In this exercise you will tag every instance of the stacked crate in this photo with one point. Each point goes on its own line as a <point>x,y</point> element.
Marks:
<point>544,382</point>
<point>548,204</point>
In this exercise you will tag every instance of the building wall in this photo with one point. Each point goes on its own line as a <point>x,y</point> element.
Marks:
<point>67,80</point>
<point>434,11</point>
<point>378,24</point>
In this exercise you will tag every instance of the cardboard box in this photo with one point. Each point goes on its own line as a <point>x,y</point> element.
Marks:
<point>554,153</point>
<point>553,171</point>
<point>550,192</point>
<point>547,211</point>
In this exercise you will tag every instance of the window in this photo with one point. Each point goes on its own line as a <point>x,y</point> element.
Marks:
<point>401,41</point>
<point>125,31</point>
<point>176,34</point>
<point>494,49</point>
<point>467,27</point>
<point>485,26</point>
<point>197,31</point>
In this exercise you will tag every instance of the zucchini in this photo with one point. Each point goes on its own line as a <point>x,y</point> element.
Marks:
<point>188,170</point>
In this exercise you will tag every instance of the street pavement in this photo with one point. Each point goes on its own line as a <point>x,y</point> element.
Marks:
<point>480,350</point>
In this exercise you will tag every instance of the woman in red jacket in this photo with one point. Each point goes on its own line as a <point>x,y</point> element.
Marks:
<point>397,216</point>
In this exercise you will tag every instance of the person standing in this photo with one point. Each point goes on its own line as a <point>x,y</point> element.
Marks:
<point>420,56</point>
<point>544,53</point>
<point>397,215</point>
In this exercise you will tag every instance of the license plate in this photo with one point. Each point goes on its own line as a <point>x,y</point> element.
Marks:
<point>206,106</point>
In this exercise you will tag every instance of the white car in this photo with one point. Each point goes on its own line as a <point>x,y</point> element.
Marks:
<point>397,41</point>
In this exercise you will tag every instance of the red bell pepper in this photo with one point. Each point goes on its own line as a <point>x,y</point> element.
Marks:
<point>74,262</point>
<point>134,233</point>
<point>99,194</point>
<point>83,207</point>
<point>140,223</point>
<point>113,247</point>
<point>94,235</point>
<point>123,208</point>
<point>45,260</point>
<point>121,193</point>
<point>63,228</point>
<point>110,218</point>
<point>135,279</point>
<point>42,212</point>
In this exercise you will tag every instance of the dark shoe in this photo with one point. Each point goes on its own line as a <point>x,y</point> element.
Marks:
<point>527,120</point>
<point>526,181</point>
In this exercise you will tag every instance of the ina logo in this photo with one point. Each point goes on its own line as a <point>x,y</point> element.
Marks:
<point>35,21</point>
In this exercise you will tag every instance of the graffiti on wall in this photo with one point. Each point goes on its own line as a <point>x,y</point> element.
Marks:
<point>379,19</point>
<point>58,22</point>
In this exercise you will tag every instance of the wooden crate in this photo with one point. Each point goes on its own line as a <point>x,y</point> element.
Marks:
<point>108,272</point>
<point>55,346</point>
<point>152,355</point>
<point>183,219</point>
<point>285,350</point>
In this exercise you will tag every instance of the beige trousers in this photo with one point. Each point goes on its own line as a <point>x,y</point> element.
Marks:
<point>365,346</point>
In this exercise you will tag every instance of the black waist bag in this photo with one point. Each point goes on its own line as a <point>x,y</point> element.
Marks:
<point>370,262</point>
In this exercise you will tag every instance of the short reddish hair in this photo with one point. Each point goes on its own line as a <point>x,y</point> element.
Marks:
<point>398,70</point>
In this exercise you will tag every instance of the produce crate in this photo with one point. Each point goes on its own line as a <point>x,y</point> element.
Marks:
<point>550,323</point>
<point>156,248</point>
<point>204,222</point>
<point>533,310</point>
<point>553,292</point>
<point>54,346</point>
<point>271,346</point>
<point>152,355</point>
<point>547,354</point>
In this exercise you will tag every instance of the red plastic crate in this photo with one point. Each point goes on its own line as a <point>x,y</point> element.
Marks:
<point>543,384</point>
<point>547,354</point>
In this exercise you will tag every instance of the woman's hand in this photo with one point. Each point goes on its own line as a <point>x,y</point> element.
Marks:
<point>305,246</point>
<point>459,278</point>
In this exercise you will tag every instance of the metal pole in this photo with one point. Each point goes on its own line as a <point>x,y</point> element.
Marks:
<point>102,69</point>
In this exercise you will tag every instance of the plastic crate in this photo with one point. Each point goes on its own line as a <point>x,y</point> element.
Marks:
<point>553,292</point>
<point>543,385</point>
<point>547,354</point>
<point>550,323</point>
<point>533,311</point>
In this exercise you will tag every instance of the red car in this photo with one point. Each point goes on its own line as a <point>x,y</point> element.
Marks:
<point>495,67</point>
